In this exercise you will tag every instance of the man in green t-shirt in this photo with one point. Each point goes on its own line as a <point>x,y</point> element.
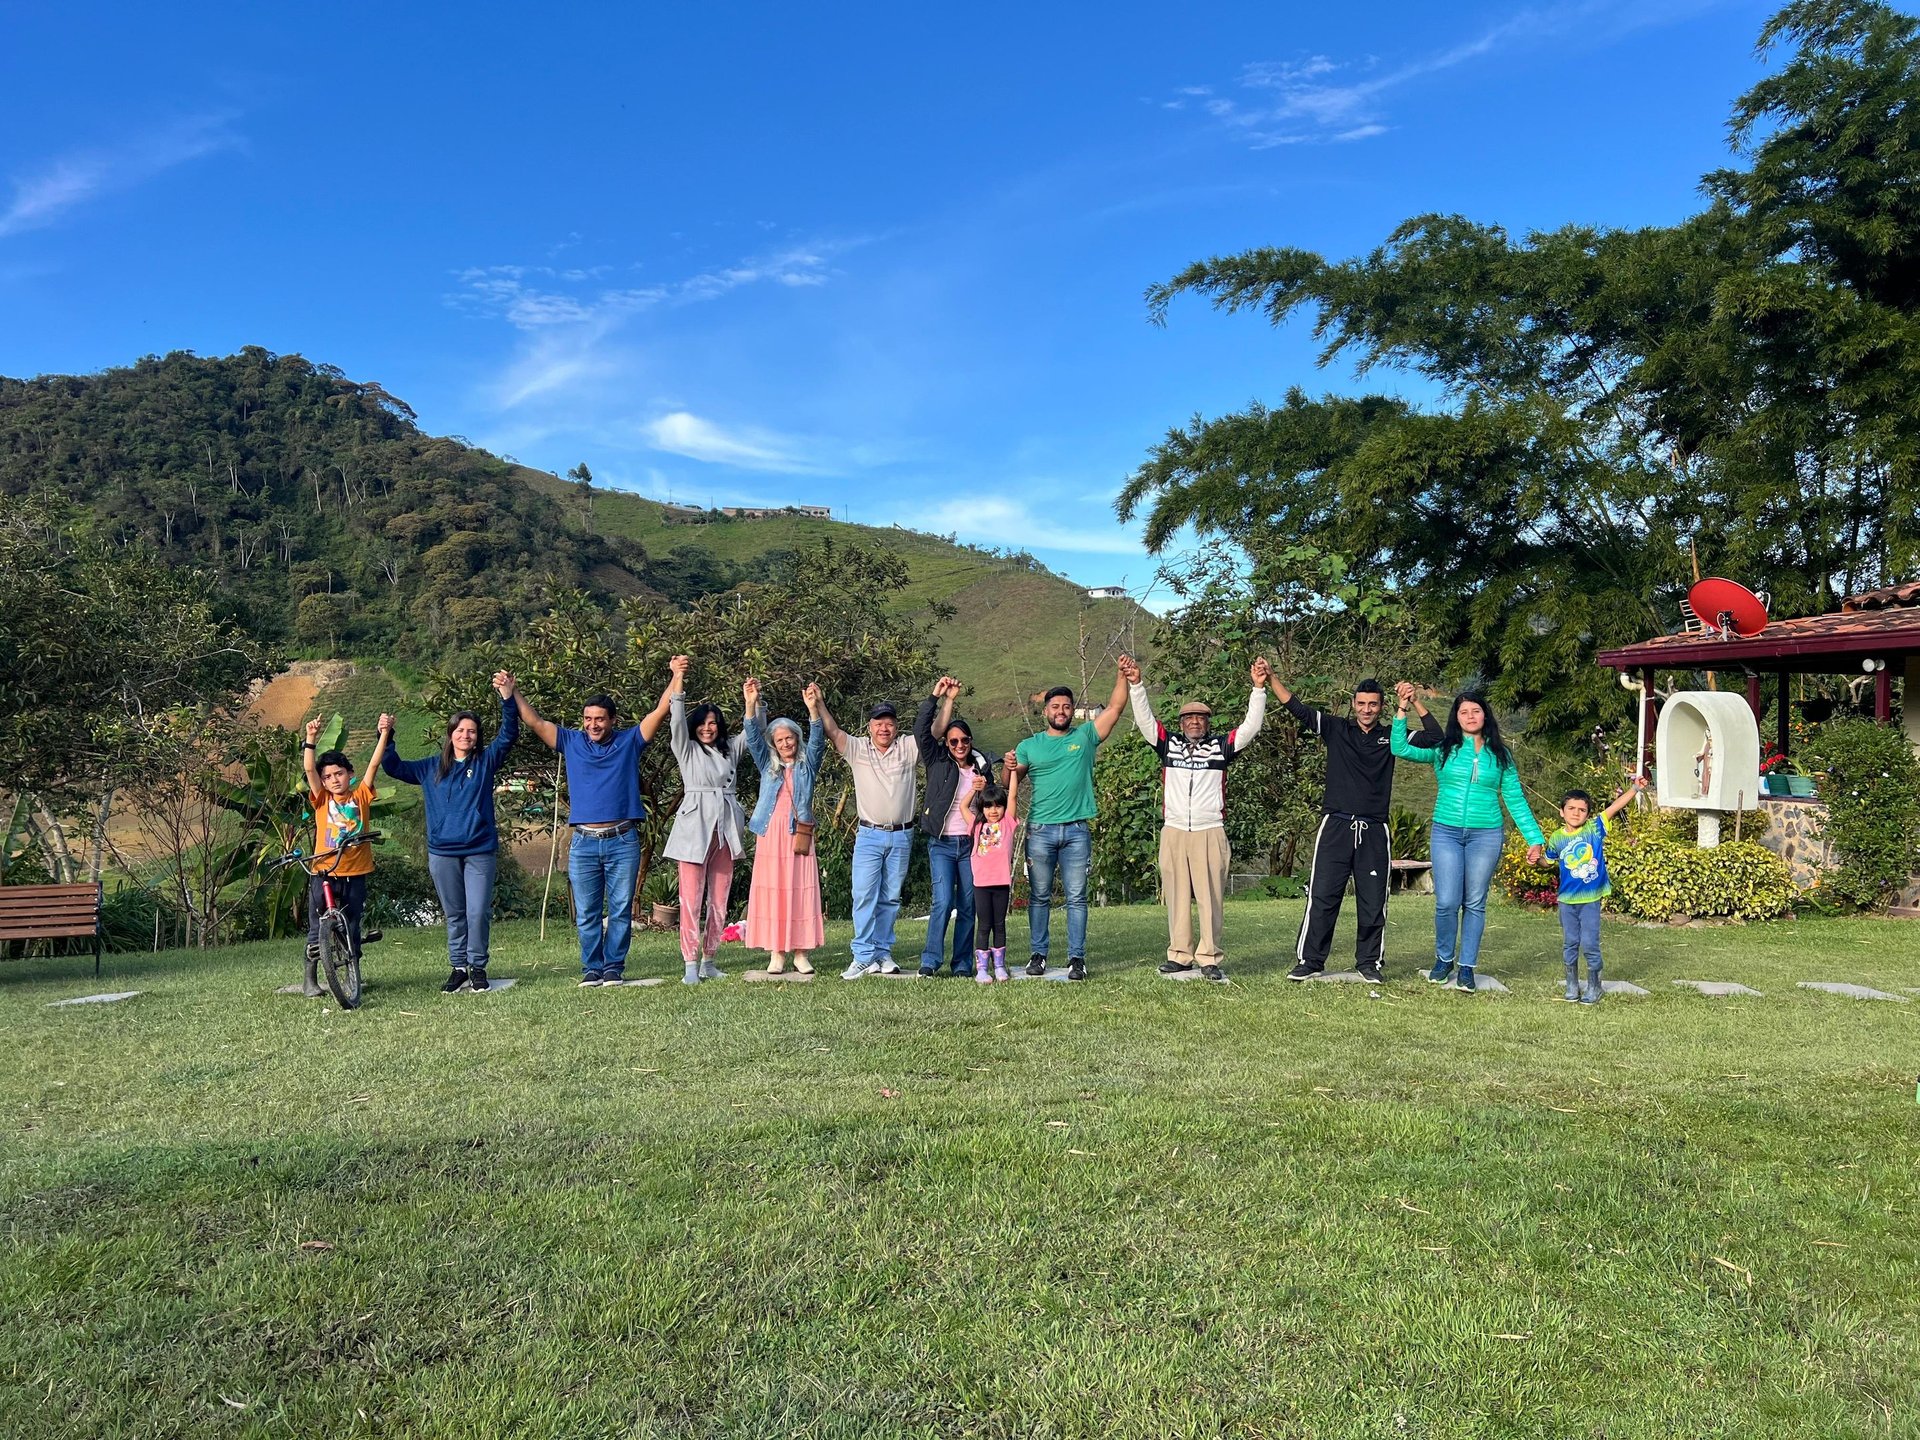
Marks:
<point>1056,774</point>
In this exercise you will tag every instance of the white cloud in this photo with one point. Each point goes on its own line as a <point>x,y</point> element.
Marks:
<point>1317,99</point>
<point>747,448</point>
<point>43,197</point>
<point>1007,521</point>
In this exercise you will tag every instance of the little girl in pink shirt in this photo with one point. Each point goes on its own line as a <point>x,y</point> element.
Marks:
<point>994,829</point>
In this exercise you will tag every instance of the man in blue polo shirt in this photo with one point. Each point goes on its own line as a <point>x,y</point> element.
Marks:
<point>604,812</point>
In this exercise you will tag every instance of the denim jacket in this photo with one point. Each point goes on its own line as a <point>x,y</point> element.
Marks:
<point>805,766</point>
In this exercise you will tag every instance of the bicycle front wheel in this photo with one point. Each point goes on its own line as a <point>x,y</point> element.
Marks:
<point>337,957</point>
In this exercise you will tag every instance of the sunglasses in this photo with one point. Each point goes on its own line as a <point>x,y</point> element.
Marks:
<point>961,744</point>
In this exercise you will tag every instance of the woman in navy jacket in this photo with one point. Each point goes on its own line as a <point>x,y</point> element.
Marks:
<point>462,841</point>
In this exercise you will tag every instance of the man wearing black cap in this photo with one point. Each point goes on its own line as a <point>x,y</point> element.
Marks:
<point>1194,854</point>
<point>885,789</point>
<point>1056,770</point>
<point>1351,843</point>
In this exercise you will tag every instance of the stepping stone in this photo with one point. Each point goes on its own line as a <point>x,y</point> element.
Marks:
<point>1621,987</point>
<point>1193,974</point>
<point>492,985</point>
<point>288,990</point>
<point>1854,992</point>
<point>650,980</point>
<point>1487,982</point>
<point>1338,977</point>
<point>758,977</point>
<point>1717,988</point>
<point>110,999</point>
<point>1056,972</point>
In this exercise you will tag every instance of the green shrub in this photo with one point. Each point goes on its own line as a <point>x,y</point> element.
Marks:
<point>1871,785</point>
<point>1409,836</point>
<point>1524,884</point>
<point>1659,877</point>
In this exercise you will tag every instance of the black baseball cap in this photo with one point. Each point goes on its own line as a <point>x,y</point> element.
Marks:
<point>883,711</point>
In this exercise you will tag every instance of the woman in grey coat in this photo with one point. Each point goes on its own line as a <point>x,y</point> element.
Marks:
<point>707,828</point>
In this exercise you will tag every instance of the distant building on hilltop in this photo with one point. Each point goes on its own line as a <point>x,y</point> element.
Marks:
<point>684,515</point>
<point>767,512</point>
<point>1107,592</point>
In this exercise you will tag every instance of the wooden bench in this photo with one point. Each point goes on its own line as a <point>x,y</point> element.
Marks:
<point>1411,875</point>
<point>52,912</point>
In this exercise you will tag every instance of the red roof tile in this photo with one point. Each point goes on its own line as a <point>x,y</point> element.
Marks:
<point>1892,597</point>
<point>1892,629</point>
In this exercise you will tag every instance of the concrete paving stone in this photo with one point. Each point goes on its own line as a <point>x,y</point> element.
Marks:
<point>1054,972</point>
<point>761,977</point>
<point>1487,982</point>
<point>1338,977</point>
<point>1621,987</point>
<point>1852,992</point>
<point>1718,988</point>
<point>493,985</point>
<point>107,999</point>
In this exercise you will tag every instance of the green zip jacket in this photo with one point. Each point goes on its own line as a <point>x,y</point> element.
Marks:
<point>1473,785</point>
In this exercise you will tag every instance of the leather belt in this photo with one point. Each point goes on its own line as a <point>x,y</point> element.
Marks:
<point>869,825</point>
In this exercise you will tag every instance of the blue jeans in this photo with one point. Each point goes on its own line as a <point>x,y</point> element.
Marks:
<point>1070,847</point>
<point>879,870</point>
<point>950,858</point>
<point>1463,865</point>
<point>465,887</point>
<point>602,873</point>
<point>1580,928</point>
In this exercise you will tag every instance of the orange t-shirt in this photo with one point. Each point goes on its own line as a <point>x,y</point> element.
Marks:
<point>337,820</point>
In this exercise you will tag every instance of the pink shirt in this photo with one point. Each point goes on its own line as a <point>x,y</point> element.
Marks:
<point>993,852</point>
<point>960,813</point>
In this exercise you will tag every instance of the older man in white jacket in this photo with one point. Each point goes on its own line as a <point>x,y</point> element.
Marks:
<point>1194,854</point>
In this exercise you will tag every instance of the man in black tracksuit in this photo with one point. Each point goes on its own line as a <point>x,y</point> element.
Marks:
<point>1351,843</point>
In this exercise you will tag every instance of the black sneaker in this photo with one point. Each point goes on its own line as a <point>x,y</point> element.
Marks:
<point>1304,971</point>
<point>371,937</point>
<point>1175,967</point>
<point>456,981</point>
<point>478,981</point>
<point>313,953</point>
<point>1076,968</point>
<point>1369,971</point>
<point>1213,973</point>
<point>1037,965</point>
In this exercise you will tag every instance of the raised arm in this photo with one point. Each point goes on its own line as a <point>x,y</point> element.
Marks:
<point>676,684</point>
<point>817,707</point>
<point>548,732</point>
<point>382,737</point>
<point>1315,720</point>
<point>1248,730</point>
<point>1625,797</point>
<point>816,731</point>
<point>1013,792</point>
<point>1144,719</point>
<point>1397,742</point>
<point>509,722</point>
<point>925,727</point>
<point>1110,714</point>
<point>307,753</point>
<point>753,728</point>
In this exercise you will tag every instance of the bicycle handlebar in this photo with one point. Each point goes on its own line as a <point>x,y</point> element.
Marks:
<point>307,862</point>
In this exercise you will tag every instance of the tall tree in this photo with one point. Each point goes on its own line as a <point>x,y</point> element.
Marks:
<point>1741,383</point>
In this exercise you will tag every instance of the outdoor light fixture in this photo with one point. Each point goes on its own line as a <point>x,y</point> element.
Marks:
<point>1872,666</point>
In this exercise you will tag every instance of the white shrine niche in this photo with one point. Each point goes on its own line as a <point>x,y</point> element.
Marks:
<point>1707,754</point>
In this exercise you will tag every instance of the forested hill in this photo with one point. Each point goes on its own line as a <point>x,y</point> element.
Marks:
<point>327,517</point>
<point>331,524</point>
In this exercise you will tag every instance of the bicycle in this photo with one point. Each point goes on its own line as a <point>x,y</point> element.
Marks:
<point>337,956</point>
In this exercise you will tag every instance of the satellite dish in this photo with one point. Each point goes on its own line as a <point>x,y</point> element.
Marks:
<point>1727,607</point>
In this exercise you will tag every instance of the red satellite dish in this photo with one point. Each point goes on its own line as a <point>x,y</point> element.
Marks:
<point>1727,607</point>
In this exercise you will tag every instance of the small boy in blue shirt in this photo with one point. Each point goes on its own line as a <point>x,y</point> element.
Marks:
<point>1580,847</point>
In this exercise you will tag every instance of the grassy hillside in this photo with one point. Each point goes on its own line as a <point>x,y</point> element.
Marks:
<point>1016,629</point>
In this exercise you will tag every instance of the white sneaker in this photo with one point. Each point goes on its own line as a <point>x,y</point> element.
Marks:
<point>858,970</point>
<point>887,967</point>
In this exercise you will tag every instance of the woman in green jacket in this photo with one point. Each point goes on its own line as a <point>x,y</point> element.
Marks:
<point>1476,776</point>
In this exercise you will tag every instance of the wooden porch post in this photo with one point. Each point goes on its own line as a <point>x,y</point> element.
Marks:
<point>1786,730</point>
<point>1883,694</point>
<point>1754,702</point>
<point>1651,711</point>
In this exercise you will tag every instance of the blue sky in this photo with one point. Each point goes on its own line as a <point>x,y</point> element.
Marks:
<point>887,258</point>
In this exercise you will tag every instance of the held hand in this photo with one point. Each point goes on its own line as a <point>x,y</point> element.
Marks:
<point>1010,761</point>
<point>384,724</point>
<point>1403,693</point>
<point>979,781</point>
<point>313,731</point>
<point>1534,852</point>
<point>503,684</point>
<point>750,693</point>
<point>1261,670</point>
<point>678,665</point>
<point>811,694</point>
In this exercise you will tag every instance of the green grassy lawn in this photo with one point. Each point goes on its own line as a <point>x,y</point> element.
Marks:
<point>1127,1208</point>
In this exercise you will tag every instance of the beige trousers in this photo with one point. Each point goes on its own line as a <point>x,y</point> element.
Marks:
<point>1193,870</point>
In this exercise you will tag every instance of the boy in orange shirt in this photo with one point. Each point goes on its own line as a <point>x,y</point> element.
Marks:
<point>341,807</point>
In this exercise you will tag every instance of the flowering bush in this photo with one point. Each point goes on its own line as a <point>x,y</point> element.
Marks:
<point>1537,885</point>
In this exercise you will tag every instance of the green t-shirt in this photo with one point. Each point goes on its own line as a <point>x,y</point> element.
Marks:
<point>1059,775</point>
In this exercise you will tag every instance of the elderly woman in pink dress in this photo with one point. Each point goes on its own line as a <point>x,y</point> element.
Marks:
<point>783,906</point>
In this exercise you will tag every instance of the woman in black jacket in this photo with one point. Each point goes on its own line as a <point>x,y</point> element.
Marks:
<point>954,770</point>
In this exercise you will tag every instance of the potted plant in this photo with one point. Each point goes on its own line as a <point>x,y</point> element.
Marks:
<point>660,893</point>
<point>1776,772</point>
